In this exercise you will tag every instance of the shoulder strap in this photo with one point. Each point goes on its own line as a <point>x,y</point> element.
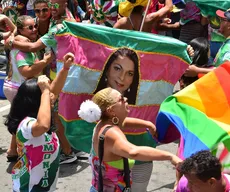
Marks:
<point>100,155</point>
<point>131,23</point>
<point>126,175</point>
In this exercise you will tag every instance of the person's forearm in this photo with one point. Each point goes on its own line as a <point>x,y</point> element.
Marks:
<point>44,113</point>
<point>11,26</point>
<point>35,69</point>
<point>59,82</point>
<point>149,154</point>
<point>135,123</point>
<point>166,26</point>
<point>24,46</point>
<point>166,9</point>
<point>204,70</point>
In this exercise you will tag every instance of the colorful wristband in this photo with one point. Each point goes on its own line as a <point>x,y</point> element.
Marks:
<point>65,68</point>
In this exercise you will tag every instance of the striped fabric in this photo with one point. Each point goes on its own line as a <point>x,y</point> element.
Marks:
<point>200,113</point>
<point>159,58</point>
<point>192,30</point>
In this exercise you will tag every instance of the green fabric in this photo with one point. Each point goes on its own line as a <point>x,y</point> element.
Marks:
<point>54,166</point>
<point>28,58</point>
<point>139,41</point>
<point>217,37</point>
<point>49,39</point>
<point>223,54</point>
<point>118,164</point>
<point>20,137</point>
<point>79,134</point>
<point>209,7</point>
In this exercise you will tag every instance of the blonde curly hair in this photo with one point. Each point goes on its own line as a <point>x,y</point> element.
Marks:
<point>104,100</point>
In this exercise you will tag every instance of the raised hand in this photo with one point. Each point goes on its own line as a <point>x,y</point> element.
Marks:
<point>43,83</point>
<point>68,60</point>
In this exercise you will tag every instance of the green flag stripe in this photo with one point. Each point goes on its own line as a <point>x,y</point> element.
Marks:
<point>139,41</point>
<point>21,137</point>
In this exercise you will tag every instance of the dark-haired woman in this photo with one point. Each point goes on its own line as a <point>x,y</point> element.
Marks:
<point>121,73</point>
<point>22,66</point>
<point>43,16</point>
<point>200,58</point>
<point>30,120</point>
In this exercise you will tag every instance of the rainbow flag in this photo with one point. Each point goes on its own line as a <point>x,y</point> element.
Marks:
<point>162,61</point>
<point>200,114</point>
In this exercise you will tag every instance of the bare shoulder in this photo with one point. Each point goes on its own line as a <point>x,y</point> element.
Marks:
<point>121,23</point>
<point>115,132</point>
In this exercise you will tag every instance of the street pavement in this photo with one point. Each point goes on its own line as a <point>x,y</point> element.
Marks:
<point>76,177</point>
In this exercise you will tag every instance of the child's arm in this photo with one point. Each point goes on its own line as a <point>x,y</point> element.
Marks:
<point>59,81</point>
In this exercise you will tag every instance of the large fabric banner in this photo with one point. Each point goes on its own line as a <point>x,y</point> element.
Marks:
<point>209,7</point>
<point>200,113</point>
<point>161,62</point>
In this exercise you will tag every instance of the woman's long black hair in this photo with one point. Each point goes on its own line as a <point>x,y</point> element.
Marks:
<point>124,52</point>
<point>200,58</point>
<point>26,103</point>
<point>201,49</point>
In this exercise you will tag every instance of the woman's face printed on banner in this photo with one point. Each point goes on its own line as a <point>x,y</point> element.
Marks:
<point>120,74</point>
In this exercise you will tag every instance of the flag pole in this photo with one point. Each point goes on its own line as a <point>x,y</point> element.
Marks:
<point>143,19</point>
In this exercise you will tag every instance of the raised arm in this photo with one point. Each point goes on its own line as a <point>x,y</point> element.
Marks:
<point>161,13</point>
<point>166,9</point>
<point>9,23</point>
<point>59,81</point>
<point>42,124</point>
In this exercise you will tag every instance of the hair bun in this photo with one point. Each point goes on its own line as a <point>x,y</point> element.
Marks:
<point>89,111</point>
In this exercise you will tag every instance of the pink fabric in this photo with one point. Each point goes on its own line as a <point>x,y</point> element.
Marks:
<point>21,56</point>
<point>36,154</point>
<point>9,92</point>
<point>67,101</point>
<point>96,60</point>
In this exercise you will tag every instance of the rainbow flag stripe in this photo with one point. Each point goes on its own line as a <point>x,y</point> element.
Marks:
<point>92,45</point>
<point>200,114</point>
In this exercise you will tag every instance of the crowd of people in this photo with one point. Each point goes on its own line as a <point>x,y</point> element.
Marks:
<point>32,86</point>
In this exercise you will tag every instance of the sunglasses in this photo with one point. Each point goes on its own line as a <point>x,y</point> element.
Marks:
<point>31,27</point>
<point>54,5</point>
<point>121,99</point>
<point>38,11</point>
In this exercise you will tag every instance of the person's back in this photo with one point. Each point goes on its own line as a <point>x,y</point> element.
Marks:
<point>39,158</point>
<point>133,22</point>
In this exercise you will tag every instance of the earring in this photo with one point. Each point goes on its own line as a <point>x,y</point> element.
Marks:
<point>115,120</point>
<point>106,79</point>
<point>128,90</point>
